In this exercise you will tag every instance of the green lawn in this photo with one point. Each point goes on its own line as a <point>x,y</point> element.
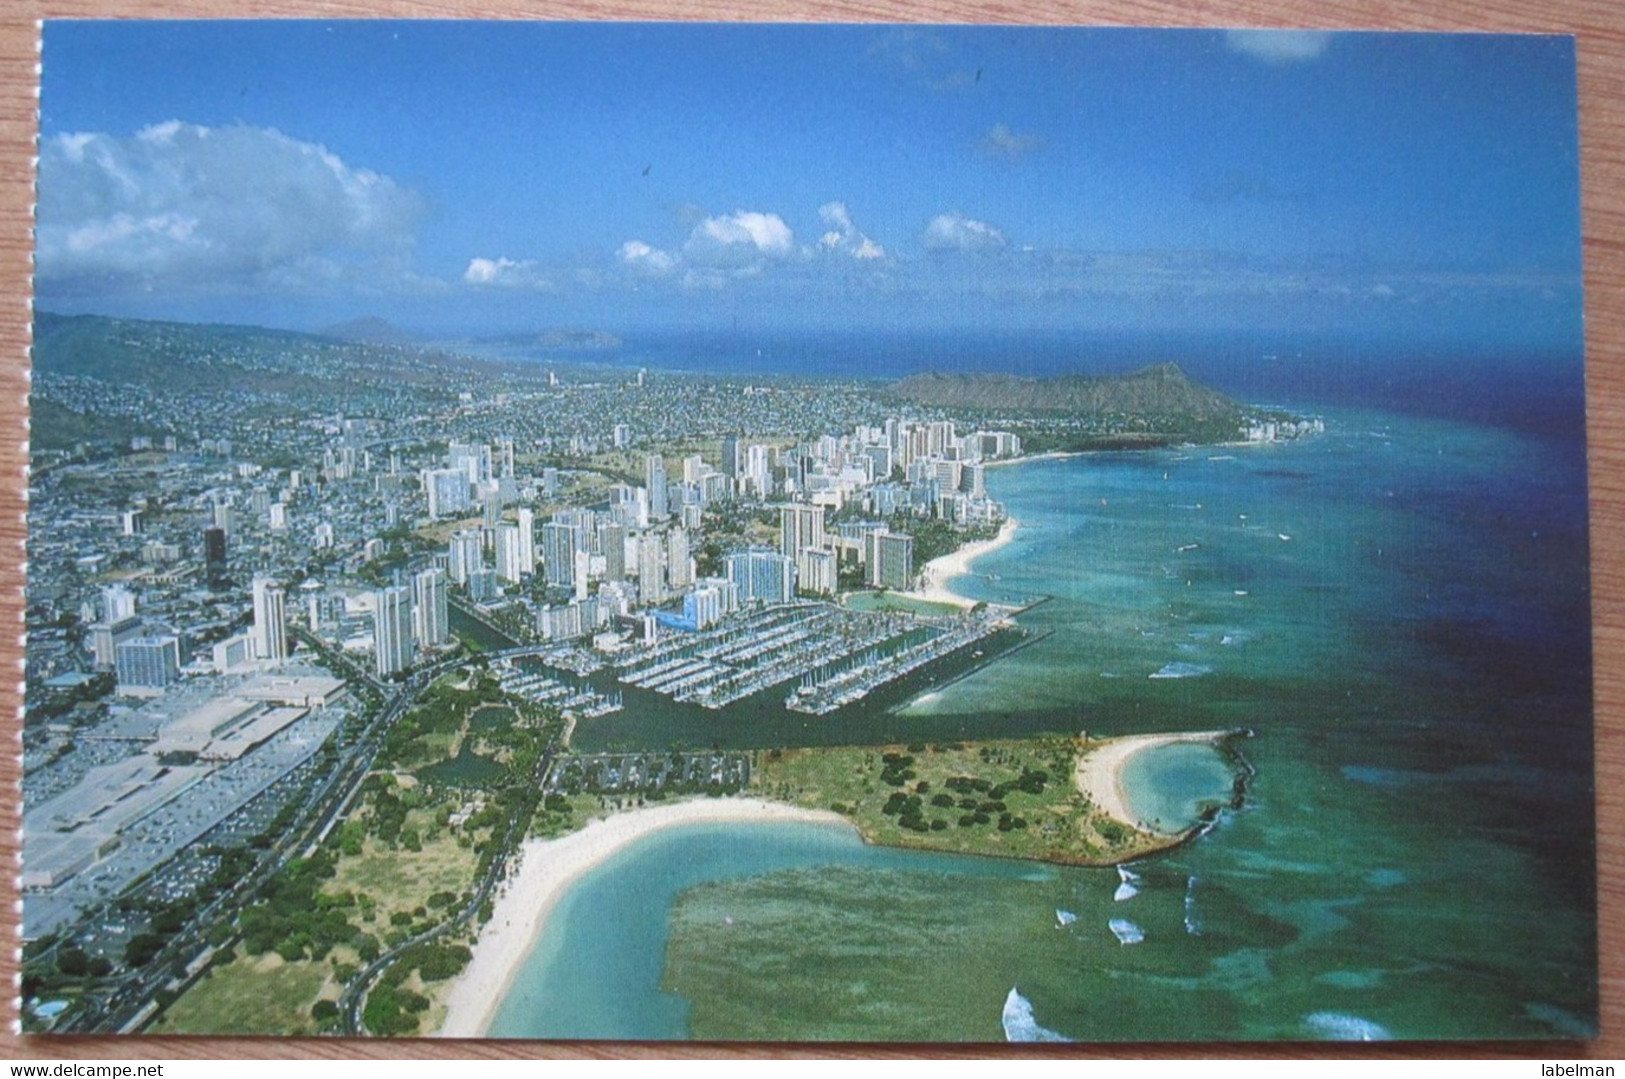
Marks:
<point>249,996</point>
<point>890,601</point>
<point>1014,798</point>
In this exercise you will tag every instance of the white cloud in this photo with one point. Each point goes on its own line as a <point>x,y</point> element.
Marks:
<point>504,273</point>
<point>955,232</point>
<point>1279,46</point>
<point>181,205</point>
<point>740,238</point>
<point>844,235</point>
<point>1000,141</point>
<point>645,259</point>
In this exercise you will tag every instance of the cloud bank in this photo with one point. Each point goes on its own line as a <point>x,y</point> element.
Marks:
<point>1279,46</point>
<point>179,203</point>
<point>954,231</point>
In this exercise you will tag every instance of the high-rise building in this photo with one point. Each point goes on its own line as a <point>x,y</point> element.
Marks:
<point>466,555</point>
<point>816,571</point>
<point>758,470</point>
<point>655,482</point>
<point>105,638</point>
<point>508,561</point>
<point>527,540</point>
<point>893,563</point>
<point>762,575</point>
<point>214,557</point>
<point>482,585</point>
<point>233,654</point>
<point>800,526</point>
<point>731,457</point>
<point>270,621</point>
<point>559,553</point>
<point>431,622</point>
<point>447,491</point>
<point>973,481</point>
<point>472,460</point>
<point>393,643</point>
<point>118,603</point>
<point>702,608</point>
<point>613,538</point>
<point>147,663</point>
<point>651,568</point>
<point>679,564</point>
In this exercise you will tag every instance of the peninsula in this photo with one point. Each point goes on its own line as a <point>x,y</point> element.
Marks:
<point>1050,799</point>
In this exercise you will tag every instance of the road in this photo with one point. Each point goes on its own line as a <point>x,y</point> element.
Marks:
<point>123,1001</point>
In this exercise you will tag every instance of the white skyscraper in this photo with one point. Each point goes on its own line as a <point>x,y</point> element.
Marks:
<point>118,603</point>
<point>393,642</point>
<point>430,618</point>
<point>679,565</point>
<point>508,544</point>
<point>800,526</point>
<point>447,491</point>
<point>270,621</point>
<point>527,540</point>
<point>655,481</point>
<point>466,555</point>
<point>558,553</point>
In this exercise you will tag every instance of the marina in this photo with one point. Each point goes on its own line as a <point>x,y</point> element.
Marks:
<point>840,656</point>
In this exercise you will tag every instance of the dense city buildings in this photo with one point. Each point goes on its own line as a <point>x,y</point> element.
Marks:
<point>193,643</point>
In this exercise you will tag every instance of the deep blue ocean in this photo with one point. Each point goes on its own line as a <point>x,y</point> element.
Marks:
<point>1399,609</point>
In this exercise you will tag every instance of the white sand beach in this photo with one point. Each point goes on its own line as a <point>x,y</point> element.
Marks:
<point>544,872</point>
<point>1052,455</point>
<point>936,574</point>
<point>1099,773</point>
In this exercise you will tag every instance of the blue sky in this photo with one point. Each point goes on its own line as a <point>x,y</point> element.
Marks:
<point>1415,190</point>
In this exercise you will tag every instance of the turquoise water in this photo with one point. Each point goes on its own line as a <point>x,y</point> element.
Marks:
<point>1399,609</point>
<point>1172,787</point>
<point>596,971</point>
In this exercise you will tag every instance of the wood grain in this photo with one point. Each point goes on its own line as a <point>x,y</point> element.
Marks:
<point>1599,26</point>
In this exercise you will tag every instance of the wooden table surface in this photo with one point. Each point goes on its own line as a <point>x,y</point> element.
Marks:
<point>1599,26</point>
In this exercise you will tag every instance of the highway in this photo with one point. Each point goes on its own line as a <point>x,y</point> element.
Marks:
<point>128,1002</point>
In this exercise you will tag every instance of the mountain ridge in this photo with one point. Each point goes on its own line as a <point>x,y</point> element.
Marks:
<point>1158,390</point>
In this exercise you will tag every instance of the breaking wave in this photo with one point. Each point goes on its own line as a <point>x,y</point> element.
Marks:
<point>1182,670</point>
<point>1126,931</point>
<point>1129,888</point>
<point>1019,1024</point>
<point>1346,1028</point>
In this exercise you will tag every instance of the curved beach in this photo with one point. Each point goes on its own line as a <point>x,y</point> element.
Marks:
<point>546,869</point>
<point>1099,773</point>
<point>936,574</point>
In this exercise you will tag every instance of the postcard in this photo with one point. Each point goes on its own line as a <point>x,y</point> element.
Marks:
<point>807,533</point>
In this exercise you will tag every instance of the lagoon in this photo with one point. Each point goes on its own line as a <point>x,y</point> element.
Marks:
<point>1393,656</point>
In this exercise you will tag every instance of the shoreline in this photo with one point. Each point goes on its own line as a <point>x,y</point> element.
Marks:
<point>1098,774</point>
<point>546,869</point>
<point>935,574</point>
<point>1049,455</point>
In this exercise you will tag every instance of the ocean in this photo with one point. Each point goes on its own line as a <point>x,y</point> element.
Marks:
<point>1398,609</point>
